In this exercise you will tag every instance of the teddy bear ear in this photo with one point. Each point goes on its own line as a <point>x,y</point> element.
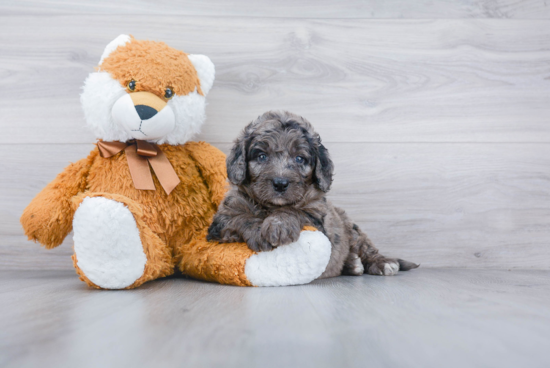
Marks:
<point>205,70</point>
<point>112,46</point>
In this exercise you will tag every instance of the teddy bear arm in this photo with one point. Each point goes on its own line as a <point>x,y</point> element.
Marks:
<point>48,218</point>
<point>235,264</point>
<point>211,162</point>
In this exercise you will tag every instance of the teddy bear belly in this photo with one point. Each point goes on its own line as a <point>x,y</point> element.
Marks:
<point>188,205</point>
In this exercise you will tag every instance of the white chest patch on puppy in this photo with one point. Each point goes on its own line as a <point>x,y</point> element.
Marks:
<point>293,264</point>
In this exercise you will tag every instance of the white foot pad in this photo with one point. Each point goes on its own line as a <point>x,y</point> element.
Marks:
<point>107,243</point>
<point>293,264</point>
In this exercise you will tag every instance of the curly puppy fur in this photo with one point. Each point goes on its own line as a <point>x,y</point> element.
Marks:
<point>280,173</point>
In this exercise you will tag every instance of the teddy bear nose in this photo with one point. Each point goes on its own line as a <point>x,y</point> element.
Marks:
<point>145,112</point>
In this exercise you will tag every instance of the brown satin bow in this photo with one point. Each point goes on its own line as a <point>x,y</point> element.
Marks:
<point>139,155</point>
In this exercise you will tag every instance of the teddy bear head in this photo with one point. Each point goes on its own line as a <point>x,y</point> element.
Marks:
<point>146,90</point>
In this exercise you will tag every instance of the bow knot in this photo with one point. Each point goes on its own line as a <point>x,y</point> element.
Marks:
<point>141,154</point>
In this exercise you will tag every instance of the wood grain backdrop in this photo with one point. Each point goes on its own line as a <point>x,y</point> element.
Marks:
<point>436,113</point>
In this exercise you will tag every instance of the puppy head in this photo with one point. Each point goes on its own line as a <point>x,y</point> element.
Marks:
<point>147,90</point>
<point>278,159</point>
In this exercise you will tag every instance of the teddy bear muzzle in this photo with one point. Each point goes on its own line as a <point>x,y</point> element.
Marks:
<point>144,116</point>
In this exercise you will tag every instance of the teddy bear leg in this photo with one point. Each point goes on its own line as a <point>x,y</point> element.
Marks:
<point>235,264</point>
<point>114,248</point>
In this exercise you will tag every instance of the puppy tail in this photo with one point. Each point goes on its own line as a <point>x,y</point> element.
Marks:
<point>406,265</point>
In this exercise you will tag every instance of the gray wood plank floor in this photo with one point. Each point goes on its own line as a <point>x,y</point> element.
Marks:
<point>423,318</point>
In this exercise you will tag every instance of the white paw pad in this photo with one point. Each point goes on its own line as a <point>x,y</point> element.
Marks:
<point>391,269</point>
<point>293,264</point>
<point>107,243</point>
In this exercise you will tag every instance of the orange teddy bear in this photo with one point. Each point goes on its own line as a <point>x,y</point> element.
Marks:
<point>140,203</point>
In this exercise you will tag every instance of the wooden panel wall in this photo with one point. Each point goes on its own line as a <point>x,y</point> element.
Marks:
<point>437,114</point>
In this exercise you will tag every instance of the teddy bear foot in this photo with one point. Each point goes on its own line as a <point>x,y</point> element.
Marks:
<point>294,264</point>
<point>107,243</point>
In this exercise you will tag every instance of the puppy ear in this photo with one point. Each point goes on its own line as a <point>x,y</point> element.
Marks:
<point>236,163</point>
<point>324,168</point>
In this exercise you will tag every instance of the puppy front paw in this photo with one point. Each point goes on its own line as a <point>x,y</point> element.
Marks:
<point>280,231</point>
<point>258,243</point>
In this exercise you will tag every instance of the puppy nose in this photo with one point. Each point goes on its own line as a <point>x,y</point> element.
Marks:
<point>145,112</point>
<point>280,184</point>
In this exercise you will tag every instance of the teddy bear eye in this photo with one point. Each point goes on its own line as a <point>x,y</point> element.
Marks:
<point>168,93</point>
<point>132,85</point>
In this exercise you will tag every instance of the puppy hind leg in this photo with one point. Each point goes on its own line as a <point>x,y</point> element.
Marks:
<point>353,265</point>
<point>375,263</point>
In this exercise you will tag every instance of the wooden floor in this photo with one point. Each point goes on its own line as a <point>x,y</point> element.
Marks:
<point>423,318</point>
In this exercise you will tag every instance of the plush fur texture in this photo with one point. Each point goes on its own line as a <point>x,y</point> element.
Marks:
<point>236,264</point>
<point>190,113</point>
<point>107,243</point>
<point>210,261</point>
<point>121,40</point>
<point>98,97</point>
<point>154,67</point>
<point>125,236</point>
<point>280,173</point>
<point>205,70</point>
<point>167,224</point>
<point>153,129</point>
<point>297,263</point>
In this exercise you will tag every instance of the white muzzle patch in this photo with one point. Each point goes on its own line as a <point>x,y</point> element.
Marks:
<point>125,115</point>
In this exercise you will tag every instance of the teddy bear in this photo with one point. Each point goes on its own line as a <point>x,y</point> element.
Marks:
<point>140,204</point>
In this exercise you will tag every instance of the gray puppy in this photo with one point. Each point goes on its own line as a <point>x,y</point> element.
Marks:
<point>280,173</point>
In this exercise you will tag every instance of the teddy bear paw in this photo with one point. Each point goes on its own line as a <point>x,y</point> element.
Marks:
<point>293,264</point>
<point>107,243</point>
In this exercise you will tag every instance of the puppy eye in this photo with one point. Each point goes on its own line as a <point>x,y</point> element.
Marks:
<point>262,157</point>
<point>131,85</point>
<point>168,93</point>
<point>300,159</point>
